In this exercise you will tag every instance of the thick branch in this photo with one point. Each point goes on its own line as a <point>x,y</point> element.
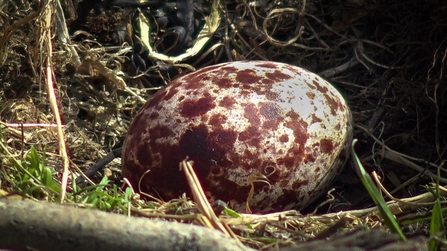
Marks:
<point>46,226</point>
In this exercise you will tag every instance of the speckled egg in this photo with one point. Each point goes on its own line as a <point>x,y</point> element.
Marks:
<point>266,135</point>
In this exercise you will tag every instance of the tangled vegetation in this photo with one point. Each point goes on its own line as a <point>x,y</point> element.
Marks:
<point>70,87</point>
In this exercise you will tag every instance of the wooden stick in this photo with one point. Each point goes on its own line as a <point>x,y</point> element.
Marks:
<point>46,226</point>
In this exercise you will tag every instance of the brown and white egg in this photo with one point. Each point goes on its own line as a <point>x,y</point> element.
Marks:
<point>273,127</point>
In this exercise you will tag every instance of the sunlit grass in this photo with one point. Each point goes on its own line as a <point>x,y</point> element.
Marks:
<point>30,176</point>
<point>437,225</point>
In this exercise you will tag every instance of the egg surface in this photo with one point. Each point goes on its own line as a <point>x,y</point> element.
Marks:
<point>264,136</point>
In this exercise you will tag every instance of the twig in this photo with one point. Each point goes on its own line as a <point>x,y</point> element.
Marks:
<point>45,31</point>
<point>202,201</point>
<point>9,30</point>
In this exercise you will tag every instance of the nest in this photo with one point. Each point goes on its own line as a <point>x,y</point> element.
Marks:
<point>70,88</point>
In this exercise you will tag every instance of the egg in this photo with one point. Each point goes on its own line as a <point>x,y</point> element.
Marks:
<point>264,136</point>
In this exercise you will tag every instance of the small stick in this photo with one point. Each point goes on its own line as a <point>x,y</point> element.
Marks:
<point>115,153</point>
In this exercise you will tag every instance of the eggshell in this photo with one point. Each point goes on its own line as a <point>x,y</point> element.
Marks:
<point>273,128</point>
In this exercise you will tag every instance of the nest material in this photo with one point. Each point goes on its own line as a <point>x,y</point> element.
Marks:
<point>387,57</point>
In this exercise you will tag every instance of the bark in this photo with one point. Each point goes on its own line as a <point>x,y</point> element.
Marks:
<point>45,226</point>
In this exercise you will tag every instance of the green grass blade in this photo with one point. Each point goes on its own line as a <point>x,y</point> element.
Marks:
<point>375,194</point>
<point>437,222</point>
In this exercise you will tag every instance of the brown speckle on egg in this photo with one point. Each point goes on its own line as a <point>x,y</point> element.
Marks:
<point>275,127</point>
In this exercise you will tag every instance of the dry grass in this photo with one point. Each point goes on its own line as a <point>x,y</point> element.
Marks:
<point>387,58</point>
